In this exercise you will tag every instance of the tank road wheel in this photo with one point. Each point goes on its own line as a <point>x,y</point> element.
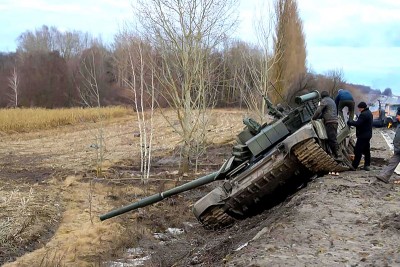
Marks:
<point>314,158</point>
<point>215,218</point>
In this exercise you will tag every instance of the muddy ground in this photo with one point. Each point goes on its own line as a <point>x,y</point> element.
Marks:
<point>50,200</point>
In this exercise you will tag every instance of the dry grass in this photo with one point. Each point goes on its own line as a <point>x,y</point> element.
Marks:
<point>25,216</point>
<point>27,120</point>
<point>30,214</point>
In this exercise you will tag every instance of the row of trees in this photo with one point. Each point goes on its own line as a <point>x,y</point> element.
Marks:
<point>179,56</point>
<point>50,68</point>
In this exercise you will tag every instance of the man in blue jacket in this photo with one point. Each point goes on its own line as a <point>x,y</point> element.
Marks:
<point>364,134</point>
<point>345,99</point>
<point>386,172</point>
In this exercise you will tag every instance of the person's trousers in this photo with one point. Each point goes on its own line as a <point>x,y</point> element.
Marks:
<point>350,105</point>
<point>362,148</point>
<point>331,132</point>
<point>387,171</point>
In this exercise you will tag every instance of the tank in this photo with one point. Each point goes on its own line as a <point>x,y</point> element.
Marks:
<point>268,163</point>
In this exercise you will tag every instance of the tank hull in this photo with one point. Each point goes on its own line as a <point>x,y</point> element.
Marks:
<point>284,168</point>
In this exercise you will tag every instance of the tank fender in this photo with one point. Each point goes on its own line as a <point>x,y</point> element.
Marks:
<point>320,129</point>
<point>304,133</point>
<point>215,198</point>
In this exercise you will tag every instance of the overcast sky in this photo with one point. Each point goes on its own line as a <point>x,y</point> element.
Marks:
<point>359,37</point>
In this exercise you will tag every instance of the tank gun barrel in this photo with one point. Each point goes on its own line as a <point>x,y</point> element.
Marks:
<point>307,97</point>
<point>160,196</point>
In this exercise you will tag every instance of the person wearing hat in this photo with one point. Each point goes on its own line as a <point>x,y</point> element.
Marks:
<point>345,99</point>
<point>328,112</point>
<point>385,174</point>
<point>364,134</point>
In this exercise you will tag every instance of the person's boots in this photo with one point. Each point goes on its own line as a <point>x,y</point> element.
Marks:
<point>338,157</point>
<point>366,168</point>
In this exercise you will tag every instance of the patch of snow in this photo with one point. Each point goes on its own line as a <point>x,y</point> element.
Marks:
<point>133,257</point>
<point>175,231</point>
<point>242,246</point>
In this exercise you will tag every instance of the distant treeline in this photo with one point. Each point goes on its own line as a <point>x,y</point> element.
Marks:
<point>51,69</point>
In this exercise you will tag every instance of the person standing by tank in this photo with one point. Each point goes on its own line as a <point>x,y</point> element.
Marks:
<point>385,174</point>
<point>345,99</point>
<point>364,134</point>
<point>328,112</point>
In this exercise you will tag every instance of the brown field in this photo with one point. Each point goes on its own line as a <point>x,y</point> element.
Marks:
<point>51,199</point>
<point>28,120</point>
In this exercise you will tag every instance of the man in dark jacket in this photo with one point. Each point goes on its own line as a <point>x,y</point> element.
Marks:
<point>328,112</point>
<point>345,99</point>
<point>386,172</point>
<point>364,134</point>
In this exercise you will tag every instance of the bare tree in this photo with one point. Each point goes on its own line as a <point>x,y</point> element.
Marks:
<point>185,33</point>
<point>137,84</point>
<point>260,65</point>
<point>89,92</point>
<point>235,71</point>
<point>71,43</point>
<point>49,39</point>
<point>41,40</point>
<point>387,92</point>
<point>303,84</point>
<point>334,81</point>
<point>121,48</point>
<point>89,89</point>
<point>13,83</point>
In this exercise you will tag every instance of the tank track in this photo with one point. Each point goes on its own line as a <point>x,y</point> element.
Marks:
<point>311,155</point>
<point>216,218</point>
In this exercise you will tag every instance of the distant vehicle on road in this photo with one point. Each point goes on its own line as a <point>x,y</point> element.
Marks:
<point>385,115</point>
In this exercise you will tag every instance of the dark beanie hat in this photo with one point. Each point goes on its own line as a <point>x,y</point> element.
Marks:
<point>362,105</point>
